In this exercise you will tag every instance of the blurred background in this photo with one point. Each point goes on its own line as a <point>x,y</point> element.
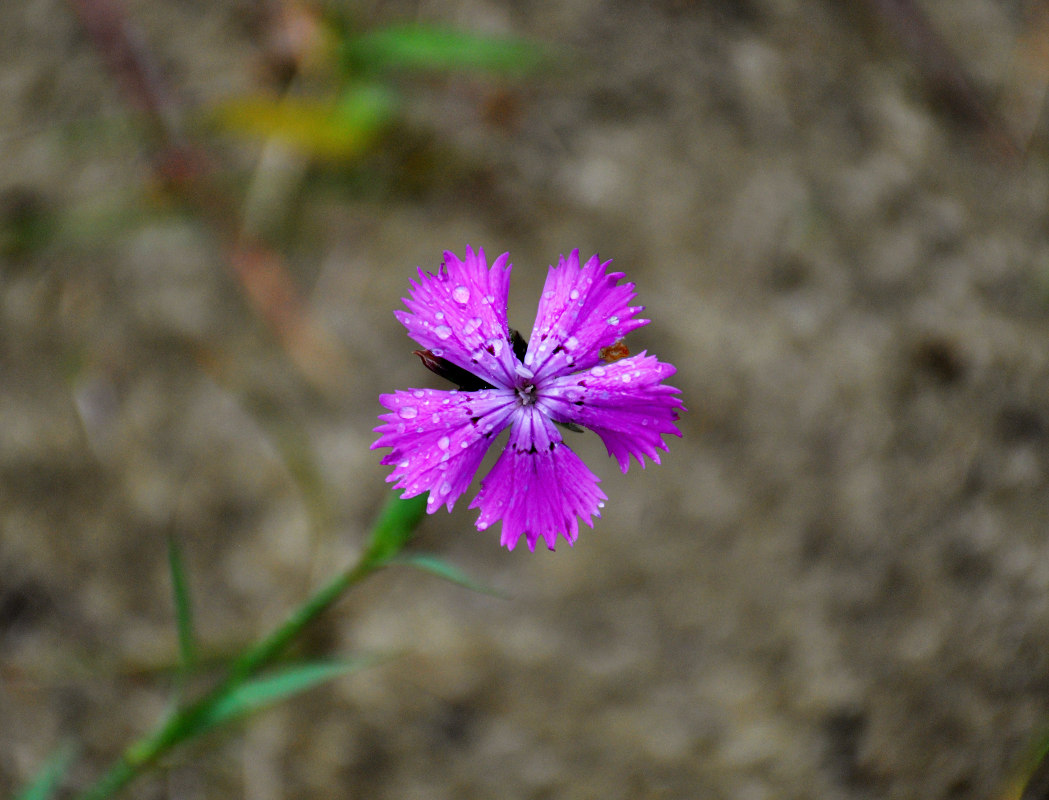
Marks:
<point>836,585</point>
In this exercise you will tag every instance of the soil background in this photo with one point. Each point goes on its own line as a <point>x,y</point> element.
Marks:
<point>835,585</point>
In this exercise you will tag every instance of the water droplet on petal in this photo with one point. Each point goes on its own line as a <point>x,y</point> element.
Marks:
<point>461,295</point>
<point>598,371</point>
<point>572,343</point>
<point>442,331</point>
<point>644,422</point>
<point>574,294</point>
<point>419,393</point>
<point>437,351</point>
<point>490,298</point>
<point>408,412</point>
<point>626,377</point>
<point>439,315</point>
<point>443,442</point>
<point>464,444</point>
<point>613,320</point>
<point>497,345</point>
<point>471,325</point>
<point>548,295</point>
<point>445,488</point>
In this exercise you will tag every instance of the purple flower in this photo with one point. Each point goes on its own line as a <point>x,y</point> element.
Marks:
<point>570,372</point>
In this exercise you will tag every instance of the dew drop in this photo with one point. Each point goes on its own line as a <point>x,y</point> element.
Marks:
<point>408,412</point>
<point>572,343</point>
<point>419,393</point>
<point>445,488</point>
<point>626,377</point>
<point>644,422</point>
<point>490,298</point>
<point>471,325</point>
<point>442,331</point>
<point>497,345</point>
<point>437,351</point>
<point>548,295</point>
<point>598,371</point>
<point>443,442</point>
<point>569,359</point>
<point>461,295</point>
<point>574,294</point>
<point>464,444</point>
<point>439,315</point>
<point>613,320</point>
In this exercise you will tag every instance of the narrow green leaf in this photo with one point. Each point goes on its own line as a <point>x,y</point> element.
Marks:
<point>247,698</point>
<point>442,569</point>
<point>187,644</point>
<point>431,48</point>
<point>49,776</point>
<point>394,528</point>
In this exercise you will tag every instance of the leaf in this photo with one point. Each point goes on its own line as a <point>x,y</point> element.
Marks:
<point>341,128</point>
<point>187,645</point>
<point>394,528</point>
<point>424,47</point>
<point>247,698</point>
<point>49,776</point>
<point>442,569</point>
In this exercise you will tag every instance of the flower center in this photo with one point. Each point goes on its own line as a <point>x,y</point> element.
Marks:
<point>526,394</point>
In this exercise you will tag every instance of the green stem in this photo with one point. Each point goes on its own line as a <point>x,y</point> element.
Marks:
<point>389,534</point>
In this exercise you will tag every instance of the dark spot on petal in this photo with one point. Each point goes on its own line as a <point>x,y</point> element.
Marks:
<point>464,379</point>
<point>520,344</point>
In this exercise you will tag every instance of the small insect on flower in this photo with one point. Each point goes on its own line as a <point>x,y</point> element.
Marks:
<point>615,352</point>
<point>573,372</point>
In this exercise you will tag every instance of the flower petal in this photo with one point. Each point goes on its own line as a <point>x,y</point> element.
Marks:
<point>460,314</point>
<point>582,310</point>
<point>626,403</point>
<point>538,487</point>
<point>439,438</point>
